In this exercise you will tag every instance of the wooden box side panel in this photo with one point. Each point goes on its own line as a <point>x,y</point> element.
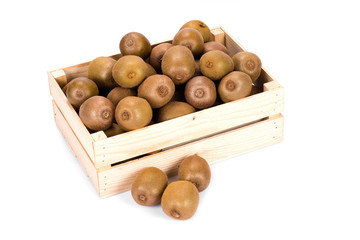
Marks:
<point>76,146</point>
<point>188,128</point>
<point>119,178</point>
<point>70,114</point>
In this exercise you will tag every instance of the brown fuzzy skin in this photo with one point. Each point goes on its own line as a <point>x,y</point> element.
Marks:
<point>135,43</point>
<point>100,71</point>
<point>190,38</point>
<point>178,63</point>
<point>210,46</point>
<point>216,64</point>
<point>129,71</point>
<point>201,27</point>
<point>195,169</point>
<point>180,200</point>
<point>235,85</point>
<point>197,68</point>
<point>97,113</point>
<point>200,92</point>
<point>157,90</point>
<point>133,113</point>
<point>173,110</point>
<point>148,186</point>
<point>113,130</point>
<point>150,70</point>
<point>157,54</point>
<point>248,63</point>
<point>118,93</point>
<point>79,90</point>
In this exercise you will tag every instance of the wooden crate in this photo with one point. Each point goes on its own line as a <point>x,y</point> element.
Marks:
<point>215,133</point>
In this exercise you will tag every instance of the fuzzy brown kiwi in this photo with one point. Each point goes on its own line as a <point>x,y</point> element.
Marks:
<point>148,186</point>
<point>129,71</point>
<point>248,63</point>
<point>79,90</point>
<point>157,54</point>
<point>178,63</point>
<point>200,92</point>
<point>234,86</point>
<point>197,68</point>
<point>173,110</point>
<point>150,70</point>
<point>132,113</point>
<point>180,200</point>
<point>216,64</point>
<point>66,86</point>
<point>190,38</point>
<point>195,169</point>
<point>157,90</point>
<point>201,27</point>
<point>209,46</point>
<point>118,93</point>
<point>100,71</point>
<point>97,113</point>
<point>115,129</point>
<point>135,43</point>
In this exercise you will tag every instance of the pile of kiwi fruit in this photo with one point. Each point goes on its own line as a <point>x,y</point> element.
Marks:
<point>151,84</point>
<point>180,198</point>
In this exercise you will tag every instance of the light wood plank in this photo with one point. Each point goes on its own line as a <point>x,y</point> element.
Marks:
<point>71,116</point>
<point>187,128</point>
<point>218,35</point>
<point>76,147</point>
<point>119,178</point>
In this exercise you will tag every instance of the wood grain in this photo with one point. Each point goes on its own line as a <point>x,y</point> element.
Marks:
<point>119,178</point>
<point>71,116</point>
<point>187,128</point>
<point>76,146</point>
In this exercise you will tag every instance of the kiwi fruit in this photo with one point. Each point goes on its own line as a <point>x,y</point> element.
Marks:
<point>135,43</point>
<point>200,92</point>
<point>201,27</point>
<point>97,113</point>
<point>178,63</point>
<point>190,38</point>
<point>255,90</point>
<point>180,200</point>
<point>118,93</point>
<point>195,169</point>
<point>248,63</point>
<point>129,71</point>
<point>197,68</point>
<point>216,64</point>
<point>150,70</point>
<point>209,46</point>
<point>133,113</point>
<point>79,90</point>
<point>113,130</point>
<point>173,110</point>
<point>148,186</point>
<point>157,90</point>
<point>66,86</point>
<point>157,54</point>
<point>100,71</point>
<point>234,86</point>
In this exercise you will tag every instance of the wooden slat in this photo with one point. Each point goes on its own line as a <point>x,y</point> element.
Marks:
<point>218,35</point>
<point>187,128</point>
<point>76,146</point>
<point>71,116</point>
<point>119,178</point>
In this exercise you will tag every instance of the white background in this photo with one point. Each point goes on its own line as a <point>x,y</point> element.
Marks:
<point>307,187</point>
